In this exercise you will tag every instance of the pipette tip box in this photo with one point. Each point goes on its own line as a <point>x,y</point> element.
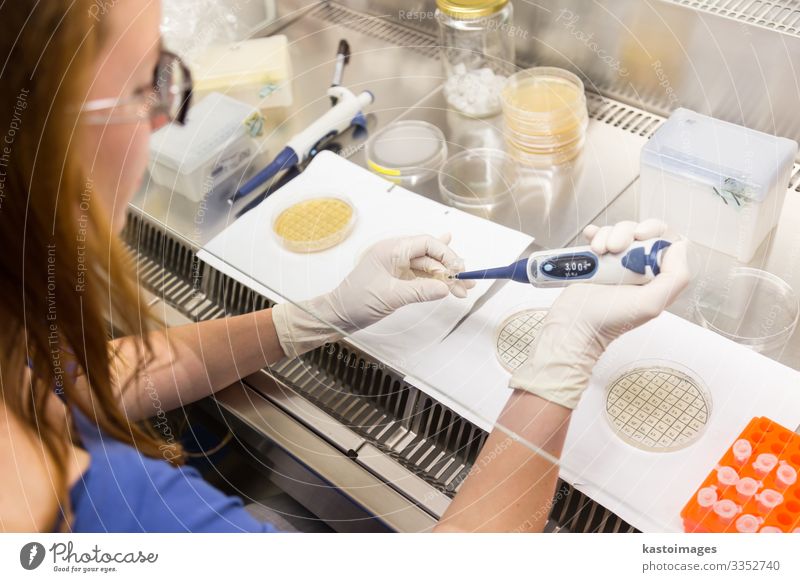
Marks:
<point>197,158</point>
<point>753,488</point>
<point>717,183</point>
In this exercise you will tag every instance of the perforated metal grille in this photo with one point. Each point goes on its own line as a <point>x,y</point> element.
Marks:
<point>782,15</point>
<point>625,117</point>
<point>423,435</point>
<point>379,27</point>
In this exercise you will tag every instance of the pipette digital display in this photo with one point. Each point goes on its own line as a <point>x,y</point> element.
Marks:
<point>636,265</point>
<point>570,266</point>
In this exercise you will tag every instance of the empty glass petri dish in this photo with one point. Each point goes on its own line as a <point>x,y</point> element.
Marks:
<point>751,307</point>
<point>657,406</point>
<point>407,152</point>
<point>314,224</point>
<point>477,180</point>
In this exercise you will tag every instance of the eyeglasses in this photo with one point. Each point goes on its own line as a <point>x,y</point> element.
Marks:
<point>167,101</point>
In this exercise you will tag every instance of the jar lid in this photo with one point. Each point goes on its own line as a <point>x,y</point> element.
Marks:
<point>468,9</point>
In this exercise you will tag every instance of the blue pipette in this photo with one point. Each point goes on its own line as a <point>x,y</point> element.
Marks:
<point>346,112</point>
<point>636,265</point>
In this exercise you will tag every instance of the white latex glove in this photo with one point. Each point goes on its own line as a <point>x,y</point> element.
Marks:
<point>391,274</point>
<point>586,318</point>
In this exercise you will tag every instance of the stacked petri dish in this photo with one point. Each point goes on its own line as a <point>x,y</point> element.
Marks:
<point>545,116</point>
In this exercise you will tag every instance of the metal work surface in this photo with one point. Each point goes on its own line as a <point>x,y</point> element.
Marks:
<point>378,65</point>
<point>733,59</point>
<point>552,205</point>
<point>344,434</point>
<point>399,66</point>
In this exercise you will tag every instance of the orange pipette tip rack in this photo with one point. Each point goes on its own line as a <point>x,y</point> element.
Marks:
<point>768,495</point>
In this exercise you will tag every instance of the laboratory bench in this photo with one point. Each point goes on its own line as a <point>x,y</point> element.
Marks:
<point>359,448</point>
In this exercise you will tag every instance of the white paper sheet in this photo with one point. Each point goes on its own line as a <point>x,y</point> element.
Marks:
<point>646,489</point>
<point>248,251</point>
<point>463,370</point>
<point>656,486</point>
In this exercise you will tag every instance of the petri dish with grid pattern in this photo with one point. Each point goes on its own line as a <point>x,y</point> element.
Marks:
<point>515,335</point>
<point>658,407</point>
<point>314,224</point>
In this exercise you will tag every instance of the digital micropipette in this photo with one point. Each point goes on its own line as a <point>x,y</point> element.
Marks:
<point>636,265</point>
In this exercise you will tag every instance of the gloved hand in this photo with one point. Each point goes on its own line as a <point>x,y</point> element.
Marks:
<point>391,274</point>
<point>586,318</point>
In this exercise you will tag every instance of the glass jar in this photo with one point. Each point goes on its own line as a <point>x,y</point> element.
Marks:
<point>477,48</point>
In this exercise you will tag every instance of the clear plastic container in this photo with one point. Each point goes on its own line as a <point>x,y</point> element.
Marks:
<point>717,183</point>
<point>195,158</point>
<point>407,152</point>
<point>751,307</point>
<point>545,116</point>
<point>256,71</point>
<point>477,49</point>
<point>478,180</point>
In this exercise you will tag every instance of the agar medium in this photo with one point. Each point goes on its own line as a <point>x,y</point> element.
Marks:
<point>657,407</point>
<point>314,224</point>
<point>515,335</point>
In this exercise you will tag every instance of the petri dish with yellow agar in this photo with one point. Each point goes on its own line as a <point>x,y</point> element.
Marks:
<point>545,115</point>
<point>658,406</point>
<point>544,93</point>
<point>314,224</point>
<point>515,335</point>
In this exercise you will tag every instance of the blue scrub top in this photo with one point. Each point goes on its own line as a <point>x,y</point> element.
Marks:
<point>125,491</point>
